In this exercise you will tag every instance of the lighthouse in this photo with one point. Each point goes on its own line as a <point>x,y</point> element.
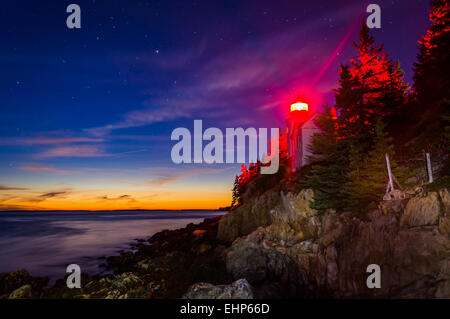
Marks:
<point>300,129</point>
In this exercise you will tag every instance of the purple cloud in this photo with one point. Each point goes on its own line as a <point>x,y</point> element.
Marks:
<point>73,151</point>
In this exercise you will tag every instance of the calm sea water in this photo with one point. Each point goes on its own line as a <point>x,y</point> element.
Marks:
<point>44,243</point>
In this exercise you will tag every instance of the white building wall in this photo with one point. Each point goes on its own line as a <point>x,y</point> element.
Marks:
<point>299,139</point>
<point>307,135</point>
<point>308,130</point>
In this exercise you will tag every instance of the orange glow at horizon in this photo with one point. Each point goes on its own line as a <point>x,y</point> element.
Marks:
<point>299,106</point>
<point>184,202</point>
<point>165,198</point>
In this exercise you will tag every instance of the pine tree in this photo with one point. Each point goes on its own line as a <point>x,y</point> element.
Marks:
<point>371,87</point>
<point>350,191</point>
<point>446,133</point>
<point>235,193</point>
<point>325,176</point>
<point>241,182</point>
<point>431,74</point>
<point>431,80</point>
<point>446,137</point>
<point>368,181</point>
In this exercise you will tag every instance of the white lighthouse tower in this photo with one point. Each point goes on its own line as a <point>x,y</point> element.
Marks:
<point>300,129</point>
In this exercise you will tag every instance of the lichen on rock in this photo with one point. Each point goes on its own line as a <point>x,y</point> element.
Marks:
<point>240,289</point>
<point>23,292</point>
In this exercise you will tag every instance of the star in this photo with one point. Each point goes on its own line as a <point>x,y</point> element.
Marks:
<point>157,51</point>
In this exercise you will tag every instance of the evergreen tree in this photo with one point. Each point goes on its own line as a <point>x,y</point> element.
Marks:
<point>446,136</point>
<point>325,176</point>
<point>447,131</point>
<point>350,191</point>
<point>241,182</point>
<point>367,182</point>
<point>235,193</point>
<point>431,77</point>
<point>371,87</point>
<point>431,74</point>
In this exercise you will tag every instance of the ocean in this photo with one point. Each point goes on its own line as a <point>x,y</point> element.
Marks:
<point>44,243</point>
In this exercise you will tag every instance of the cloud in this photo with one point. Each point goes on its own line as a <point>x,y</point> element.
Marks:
<point>269,105</point>
<point>53,194</point>
<point>44,196</point>
<point>74,151</point>
<point>166,178</point>
<point>12,207</point>
<point>139,118</point>
<point>65,140</point>
<point>43,168</point>
<point>121,197</point>
<point>11,188</point>
<point>42,140</point>
<point>64,145</point>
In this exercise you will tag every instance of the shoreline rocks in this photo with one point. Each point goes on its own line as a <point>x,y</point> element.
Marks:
<point>240,289</point>
<point>12,284</point>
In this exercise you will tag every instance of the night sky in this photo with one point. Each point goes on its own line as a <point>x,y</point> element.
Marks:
<point>86,114</point>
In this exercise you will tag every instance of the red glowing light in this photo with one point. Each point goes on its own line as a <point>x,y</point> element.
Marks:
<point>299,106</point>
<point>333,113</point>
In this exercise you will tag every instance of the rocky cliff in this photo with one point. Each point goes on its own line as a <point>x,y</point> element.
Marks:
<point>304,253</point>
<point>243,220</point>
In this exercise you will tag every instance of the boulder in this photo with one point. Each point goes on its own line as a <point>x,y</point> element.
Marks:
<point>294,219</point>
<point>240,289</point>
<point>444,221</point>
<point>23,292</point>
<point>392,206</point>
<point>422,211</point>
<point>444,196</point>
<point>247,258</point>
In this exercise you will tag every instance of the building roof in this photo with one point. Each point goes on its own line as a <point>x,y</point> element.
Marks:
<point>310,123</point>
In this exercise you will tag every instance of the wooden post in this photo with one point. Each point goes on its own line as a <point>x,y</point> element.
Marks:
<point>430,173</point>
<point>388,163</point>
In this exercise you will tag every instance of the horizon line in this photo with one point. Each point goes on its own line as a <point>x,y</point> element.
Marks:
<point>105,210</point>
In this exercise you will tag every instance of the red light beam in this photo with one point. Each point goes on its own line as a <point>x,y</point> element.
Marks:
<point>334,54</point>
